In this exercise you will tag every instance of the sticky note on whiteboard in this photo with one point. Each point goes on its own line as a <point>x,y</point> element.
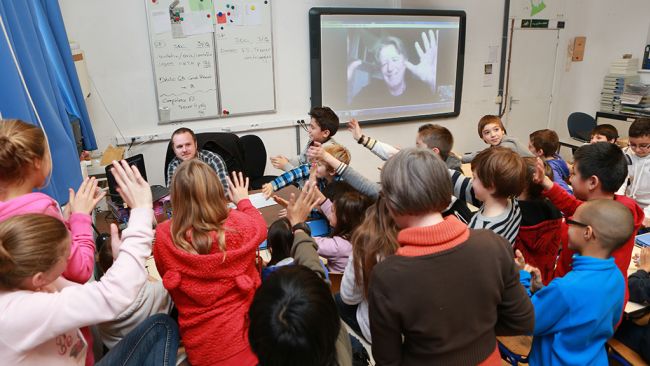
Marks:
<point>253,14</point>
<point>221,18</point>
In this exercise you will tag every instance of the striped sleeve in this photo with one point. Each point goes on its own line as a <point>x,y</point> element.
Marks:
<point>463,188</point>
<point>507,226</point>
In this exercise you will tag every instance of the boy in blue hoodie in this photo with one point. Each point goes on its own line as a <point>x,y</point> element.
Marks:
<point>576,314</point>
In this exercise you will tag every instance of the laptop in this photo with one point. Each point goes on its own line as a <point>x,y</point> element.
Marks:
<point>157,191</point>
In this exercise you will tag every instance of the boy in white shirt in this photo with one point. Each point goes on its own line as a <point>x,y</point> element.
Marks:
<point>637,185</point>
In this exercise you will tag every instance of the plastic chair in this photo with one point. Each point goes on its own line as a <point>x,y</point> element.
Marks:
<point>580,126</point>
<point>255,161</point>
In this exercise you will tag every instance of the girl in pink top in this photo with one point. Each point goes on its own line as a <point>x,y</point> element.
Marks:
<point>41,312</point>
<point>344,215</point>
<point>25,165</point>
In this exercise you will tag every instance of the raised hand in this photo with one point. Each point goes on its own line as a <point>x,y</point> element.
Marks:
<point>355,129</point>
<point>352,68</point>
<point>520,262</point>
<point>279,161</point>
<point>267,190</point>
<point>86,198</point>
<point>426,69</point>
<point>238,187</point>
<point>315,152</point>
<point>642,260</point>
<point>133,189</point>
<point>536,283</point>
<point>540,176</point>
<point>299,208</point>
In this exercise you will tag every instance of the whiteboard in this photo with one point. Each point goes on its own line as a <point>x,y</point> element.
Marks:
<point>211,59</point>
<point>245,57</point>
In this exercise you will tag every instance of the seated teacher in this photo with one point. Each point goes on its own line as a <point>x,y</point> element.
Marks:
<point>185,148</point>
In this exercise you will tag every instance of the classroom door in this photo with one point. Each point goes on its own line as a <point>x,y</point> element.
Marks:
<point>532,71</point>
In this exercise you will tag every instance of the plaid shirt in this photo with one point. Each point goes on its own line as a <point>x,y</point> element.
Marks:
<point>299,175</point>
<point>213,160</point>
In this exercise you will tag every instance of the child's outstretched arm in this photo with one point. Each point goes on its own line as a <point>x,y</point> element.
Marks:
<point>304,248</point>
<point>565,202</point>
<point>463,189</point>
<point>383,150</point>
<point>52,314</point>
<point>352,177</point>
<point>293,175</point>
<point>82,248</point>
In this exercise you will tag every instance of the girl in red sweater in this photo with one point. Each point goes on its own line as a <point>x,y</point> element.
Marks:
<point>206,257</point>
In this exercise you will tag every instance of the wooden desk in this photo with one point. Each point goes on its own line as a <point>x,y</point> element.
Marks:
<point>633,309</point>
<point>270,213</point>
<point>517,348</point>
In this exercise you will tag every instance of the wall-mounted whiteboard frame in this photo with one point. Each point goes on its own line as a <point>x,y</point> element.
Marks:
<point>241,81</point>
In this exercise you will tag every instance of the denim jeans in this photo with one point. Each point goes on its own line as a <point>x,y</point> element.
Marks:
<point>153,342</point>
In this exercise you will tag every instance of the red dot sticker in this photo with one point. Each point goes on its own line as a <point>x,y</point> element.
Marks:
<point>208,15</point>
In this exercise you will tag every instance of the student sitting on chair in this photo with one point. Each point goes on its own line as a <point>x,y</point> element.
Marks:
<point>576,314</point>
<point>185,148</point>
<point>322,127</point>
<point>598,171</point>
<point>636,333</point>
<point>637,184</point>
<point>545,144</point>
<point>492,131</point>
<point>604,133</point>
<point>435,137</point>
<point>324,174</point>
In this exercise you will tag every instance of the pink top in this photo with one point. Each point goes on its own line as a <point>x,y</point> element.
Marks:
<point>335,249</point>
<point>42,328</point>
<point>82,250</point>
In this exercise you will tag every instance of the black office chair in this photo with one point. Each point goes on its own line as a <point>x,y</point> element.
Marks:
<point>580,126</point>
<point>227,145</point>
<point>255,161</point>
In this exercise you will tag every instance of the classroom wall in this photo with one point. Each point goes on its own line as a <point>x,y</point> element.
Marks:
<point>612,28</point>
<point>114,38</point>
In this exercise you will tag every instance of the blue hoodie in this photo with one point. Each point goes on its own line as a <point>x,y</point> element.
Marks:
<point>576,314</point>
<point>560,172</point>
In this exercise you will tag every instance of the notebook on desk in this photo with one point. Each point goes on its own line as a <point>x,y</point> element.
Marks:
<point>642,240</point>
<point>157,191</point>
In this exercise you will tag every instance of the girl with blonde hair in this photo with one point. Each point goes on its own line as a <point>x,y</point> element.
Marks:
<point>206,256</point>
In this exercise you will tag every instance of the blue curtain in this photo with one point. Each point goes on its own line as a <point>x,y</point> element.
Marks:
<point>36,33</point>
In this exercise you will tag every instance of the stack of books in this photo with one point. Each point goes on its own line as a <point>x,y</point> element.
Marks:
<point>636,99</point>
<point>624,66</point>
<point>621,73</point>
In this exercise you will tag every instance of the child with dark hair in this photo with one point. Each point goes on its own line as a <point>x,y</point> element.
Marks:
<point>322,127</point>
<point>540,232</point>
<point>279,240</point>
<point>293,318</point>
<point>637,184</point>
<point>604,133</point>
<point>492,131</point>
<point>545,144</point>
<point>575,315</point>
<point>499,177</point>
<point>598,171</point>
<point>344,215</point>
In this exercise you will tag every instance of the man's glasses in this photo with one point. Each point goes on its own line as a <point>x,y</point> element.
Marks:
<point>640,146</point>
<point>570,221</point>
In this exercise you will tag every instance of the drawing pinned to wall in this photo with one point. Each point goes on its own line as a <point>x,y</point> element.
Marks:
<point>160,22</point>
<point>201,5</point>
<point>536,6</point>
<point>197,22</point>
<point>253,14</point>
<point>540,9</point>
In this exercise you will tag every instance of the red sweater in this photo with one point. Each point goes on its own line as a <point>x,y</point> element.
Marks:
<point>568,204</point>
<point>212,294</point>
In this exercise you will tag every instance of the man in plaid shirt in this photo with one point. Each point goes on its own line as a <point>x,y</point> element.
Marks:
<point>185,148</point>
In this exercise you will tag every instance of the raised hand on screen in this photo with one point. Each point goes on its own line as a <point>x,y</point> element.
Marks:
<point>425,70</point>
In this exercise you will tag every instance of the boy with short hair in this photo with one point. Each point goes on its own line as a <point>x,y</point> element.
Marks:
<point>430,136</point>
<point>499,177</point>
<point>604,133</point>
<point>322,127</point>
<point>575,315</point>
<point>324,173</point>
<point>545,144</point>
<point>637,184</point>
<point>598,171</point>
<point>492,131</point>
